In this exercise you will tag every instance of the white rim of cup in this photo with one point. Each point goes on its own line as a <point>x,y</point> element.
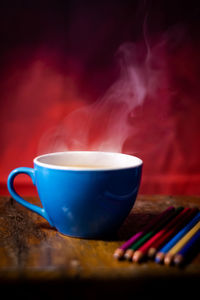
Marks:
<point>137,163</point>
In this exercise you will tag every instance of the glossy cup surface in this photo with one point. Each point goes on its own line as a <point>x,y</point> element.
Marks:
<point>91,201</point>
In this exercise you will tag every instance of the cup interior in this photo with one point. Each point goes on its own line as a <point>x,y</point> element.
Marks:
<point>87,160</point>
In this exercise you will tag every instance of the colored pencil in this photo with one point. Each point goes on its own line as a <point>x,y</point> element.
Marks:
<point>142,251</point>
<point>161,224</point>
<point>161,254</point>
<point>174,250</point>
<point>119,252</point>
<point>188,249</point>
<point>171,232</point>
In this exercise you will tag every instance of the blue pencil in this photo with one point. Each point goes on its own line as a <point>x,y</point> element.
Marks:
<point>161,254</point>
<point>189,247</point>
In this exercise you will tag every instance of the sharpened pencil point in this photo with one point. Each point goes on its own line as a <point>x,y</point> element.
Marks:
<point>178,259</point>
<point>159,257</point>
<point>168,259</point>
<point>118,254</point>
<point>129,254</point>
<point>151,252</point>
<point>137,257</point>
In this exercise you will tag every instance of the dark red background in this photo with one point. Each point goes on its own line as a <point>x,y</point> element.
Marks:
<point>57,57</point>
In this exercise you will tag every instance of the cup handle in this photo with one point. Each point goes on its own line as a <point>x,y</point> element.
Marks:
<point>10,183</point>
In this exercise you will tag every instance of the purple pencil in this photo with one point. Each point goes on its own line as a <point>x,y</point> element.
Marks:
<point>119,252</point>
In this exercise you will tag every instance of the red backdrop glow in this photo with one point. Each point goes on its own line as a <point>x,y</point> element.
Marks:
<point>113,77</point>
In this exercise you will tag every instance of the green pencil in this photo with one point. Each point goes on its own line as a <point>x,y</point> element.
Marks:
<point>129,252</point>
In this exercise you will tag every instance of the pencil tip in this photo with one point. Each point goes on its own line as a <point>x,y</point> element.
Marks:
<point>159,257</point>
<point>137,257</point>
<point>178,259</point>
<point>118,254</point>
<point>151,252</point>
<point>168,259</point>
<point>129,254</point>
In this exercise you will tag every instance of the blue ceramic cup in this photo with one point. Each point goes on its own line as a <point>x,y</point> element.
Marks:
<point>85,194</point>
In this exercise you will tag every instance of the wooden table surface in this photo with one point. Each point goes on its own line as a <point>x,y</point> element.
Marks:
<point>35,259</point>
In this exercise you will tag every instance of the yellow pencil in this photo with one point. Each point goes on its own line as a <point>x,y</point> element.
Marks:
<point>169,256</point>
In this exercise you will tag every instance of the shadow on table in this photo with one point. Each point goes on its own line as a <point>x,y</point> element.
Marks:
<point>133,223</point>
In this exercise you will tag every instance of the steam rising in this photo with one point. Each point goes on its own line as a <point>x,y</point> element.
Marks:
<point>107,124</point>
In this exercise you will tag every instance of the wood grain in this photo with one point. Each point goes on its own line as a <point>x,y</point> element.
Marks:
<point>33,252</point>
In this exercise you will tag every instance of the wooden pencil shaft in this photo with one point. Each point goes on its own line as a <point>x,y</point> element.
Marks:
<point>138,256</point>
<point>128,254</point>
<point>118,254</point>
<point>168,259</point>
<point>159,257</point>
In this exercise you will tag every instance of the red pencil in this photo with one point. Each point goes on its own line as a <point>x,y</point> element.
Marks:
<point>166,237</point>
<point>142,251</point>
<point>119,252</point>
